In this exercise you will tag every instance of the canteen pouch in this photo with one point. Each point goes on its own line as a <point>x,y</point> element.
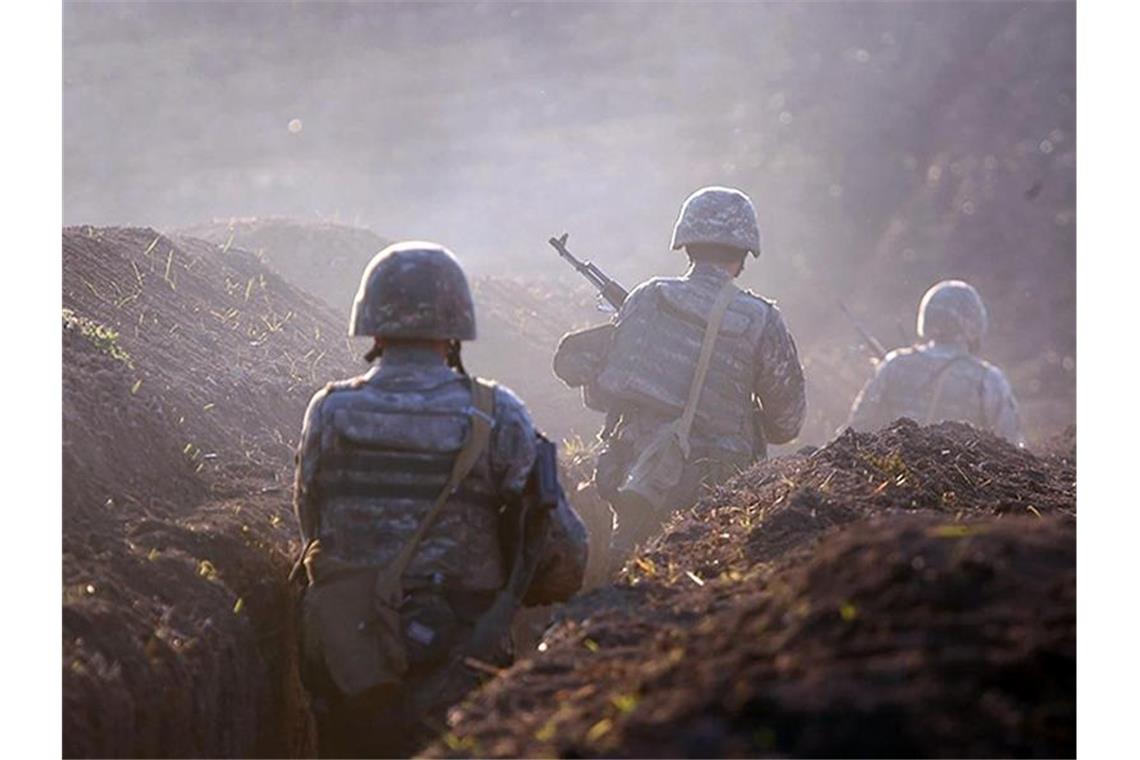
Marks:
<point>354,635</point>
<point>657,470</point>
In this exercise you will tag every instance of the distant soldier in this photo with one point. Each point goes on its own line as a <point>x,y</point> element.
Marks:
<point>696,376</point>
<point>403,478</point>
<point>942,378</point>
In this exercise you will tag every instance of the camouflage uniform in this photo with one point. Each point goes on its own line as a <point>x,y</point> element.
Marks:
<point>643,381</point>
<point>375,452</point>
<point>942,379</point>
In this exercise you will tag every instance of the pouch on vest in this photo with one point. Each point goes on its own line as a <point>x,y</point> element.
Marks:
<point>351,615</point>
<point>580,354</point>
<point>578,360</point>
<point>657,470</point>
<point>430,627</point>
<point>359,643</point>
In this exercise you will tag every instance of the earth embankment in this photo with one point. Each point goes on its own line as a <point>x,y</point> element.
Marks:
<point>910,592</point>
<point>186,370</point>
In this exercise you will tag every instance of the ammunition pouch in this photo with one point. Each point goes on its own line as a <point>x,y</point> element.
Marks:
<point>430,627</point>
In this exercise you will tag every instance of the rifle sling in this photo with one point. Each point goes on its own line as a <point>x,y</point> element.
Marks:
<point>716,316</point>
<point>939,386</point>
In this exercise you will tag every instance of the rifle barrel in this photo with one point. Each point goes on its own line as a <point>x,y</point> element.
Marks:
<point>869,339</point>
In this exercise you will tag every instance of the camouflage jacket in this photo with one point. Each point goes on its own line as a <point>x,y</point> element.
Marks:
<point>657,339</point>
<point>967,388</point>
<point>375,452</point>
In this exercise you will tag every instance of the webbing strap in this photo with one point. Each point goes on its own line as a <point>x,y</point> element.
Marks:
<point>939,386</point>
<point>482,401</point>
<point>716,316</point>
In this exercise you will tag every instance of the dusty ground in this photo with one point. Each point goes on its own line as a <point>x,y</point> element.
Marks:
<point>908,593</point>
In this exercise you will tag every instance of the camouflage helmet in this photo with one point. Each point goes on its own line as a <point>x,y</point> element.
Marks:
<point>952,310</point>
<point>720,215</point>
<point>414,290</point>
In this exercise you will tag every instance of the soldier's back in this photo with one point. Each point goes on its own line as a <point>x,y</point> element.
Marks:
<point>657,345</point>
<point>934,382</point>
<point>387,442</point>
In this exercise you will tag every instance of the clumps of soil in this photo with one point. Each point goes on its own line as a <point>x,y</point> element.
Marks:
<point>178,638</point>
<point>186,372</point>
<point>950,469</point>
<point>120,449</point>
<point>232,349</point>
<point>807,609</point>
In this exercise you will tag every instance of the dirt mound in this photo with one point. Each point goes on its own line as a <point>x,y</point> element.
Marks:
<point>120,448</point>
<point>808,609</point>
<point>232,349</point>
<point>520,321</point>
<point>323,258</point>
<point>186,372</point>
<point>178,637</point>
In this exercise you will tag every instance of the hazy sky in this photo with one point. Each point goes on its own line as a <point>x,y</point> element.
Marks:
<point>490,126</point>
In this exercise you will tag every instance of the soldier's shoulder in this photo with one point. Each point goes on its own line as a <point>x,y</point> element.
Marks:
<point>348,384</point>
<point>651,285</point>
<point>904,353</point>
<point>994,376</point>
<point>753,296</point>
<point>508,405</point>
<point>759,309</point>
<point>335,388</point>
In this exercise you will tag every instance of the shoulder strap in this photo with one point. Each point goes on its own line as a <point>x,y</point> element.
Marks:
<point>939,386</point>
<point>716,316</point>
<point>482,410</point>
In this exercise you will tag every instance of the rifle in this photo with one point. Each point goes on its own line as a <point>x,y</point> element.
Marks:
<point>530,518</point>
<point>875,348</point>
<point>614,294</point>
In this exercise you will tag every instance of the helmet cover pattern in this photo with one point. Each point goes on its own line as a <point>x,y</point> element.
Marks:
<point>414,290</point>
<point>721,215</point>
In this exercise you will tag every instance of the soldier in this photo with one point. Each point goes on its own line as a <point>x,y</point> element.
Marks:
<point>677,419</point>
<point>403,475</point>
<point>942,378</point>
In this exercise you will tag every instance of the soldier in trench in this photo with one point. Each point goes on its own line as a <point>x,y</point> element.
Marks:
<point>403,476</point>
<point>942,377</point>
<point>679,418</point>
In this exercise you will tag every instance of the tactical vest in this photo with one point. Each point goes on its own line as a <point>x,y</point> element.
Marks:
<point>930,388</point>
<point>385,456</point>
<point>655,351</point>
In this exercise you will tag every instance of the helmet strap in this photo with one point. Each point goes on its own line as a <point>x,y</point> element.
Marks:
<point>455,357</point>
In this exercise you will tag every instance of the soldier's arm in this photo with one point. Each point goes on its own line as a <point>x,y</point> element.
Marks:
<point>560,571</point>
<point>638,299</point>
<point>306,460</point>
<point>779,381</point>
<point>1001,407</point>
